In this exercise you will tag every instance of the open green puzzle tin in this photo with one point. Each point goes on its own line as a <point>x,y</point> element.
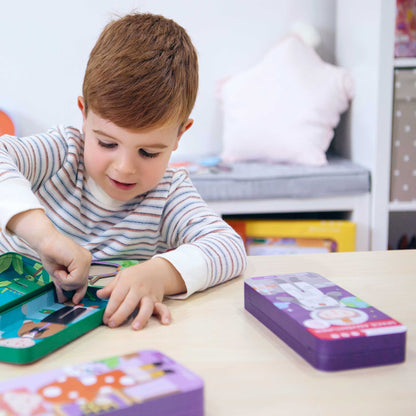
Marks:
<point>32,322</point>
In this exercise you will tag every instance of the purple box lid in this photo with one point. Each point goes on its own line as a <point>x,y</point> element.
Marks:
<point>145,382</point>
<point>312,313</point>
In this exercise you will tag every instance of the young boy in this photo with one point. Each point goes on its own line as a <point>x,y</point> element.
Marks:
<point>70,197</point>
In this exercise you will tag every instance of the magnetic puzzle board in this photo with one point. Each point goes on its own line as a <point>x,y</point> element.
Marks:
<point>32,322</point>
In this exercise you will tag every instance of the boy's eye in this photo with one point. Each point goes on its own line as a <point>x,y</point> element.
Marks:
<point>107,145</point>
<point>147,154</point>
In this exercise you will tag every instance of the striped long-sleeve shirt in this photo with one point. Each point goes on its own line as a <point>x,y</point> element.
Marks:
<point>172,221</point>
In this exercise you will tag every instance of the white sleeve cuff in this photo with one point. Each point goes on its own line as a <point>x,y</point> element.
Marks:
<point>191,263</point>
<point>19,197</point>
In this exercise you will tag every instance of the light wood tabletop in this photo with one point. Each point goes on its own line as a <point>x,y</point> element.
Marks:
<point>247,370</point>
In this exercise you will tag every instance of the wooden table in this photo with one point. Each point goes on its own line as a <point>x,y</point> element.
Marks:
<point>247,370</point>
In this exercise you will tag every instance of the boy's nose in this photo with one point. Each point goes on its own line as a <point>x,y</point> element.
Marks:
<point>125,165</point>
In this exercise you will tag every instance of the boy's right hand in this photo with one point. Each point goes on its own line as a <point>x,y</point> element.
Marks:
<point>66,262</point>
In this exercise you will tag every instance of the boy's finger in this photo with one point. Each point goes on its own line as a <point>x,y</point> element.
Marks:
<point>68,281</point>
<point>163,312</point>
<point>145,312</point>
<point>60,275</point>
<point>79,294</point>
<point>106,291</point>
<point>125,310</point>
<point>60,294</point>
<point>118,297</point>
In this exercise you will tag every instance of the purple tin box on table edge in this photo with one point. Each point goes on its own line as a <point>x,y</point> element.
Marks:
<point>146,383</point>
<point>329,327</point>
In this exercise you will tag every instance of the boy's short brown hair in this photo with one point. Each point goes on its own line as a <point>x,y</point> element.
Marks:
<point>142,72</point>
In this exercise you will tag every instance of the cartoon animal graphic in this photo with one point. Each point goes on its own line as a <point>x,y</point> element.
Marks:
<point>308,296</point>
<point>325,309</point>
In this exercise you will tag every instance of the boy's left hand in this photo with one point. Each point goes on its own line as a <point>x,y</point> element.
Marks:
<point>143,287</point>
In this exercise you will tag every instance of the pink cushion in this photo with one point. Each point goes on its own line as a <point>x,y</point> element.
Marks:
<point>285,108</point>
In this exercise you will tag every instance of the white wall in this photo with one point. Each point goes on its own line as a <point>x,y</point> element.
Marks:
<point>45,46</point>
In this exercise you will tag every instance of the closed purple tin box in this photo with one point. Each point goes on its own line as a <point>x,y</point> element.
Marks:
<point>146,383</point>
<point>329,327</point>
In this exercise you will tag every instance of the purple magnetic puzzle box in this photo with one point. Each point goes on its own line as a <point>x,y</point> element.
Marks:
<point>146,383</point>
<point>329,327</point>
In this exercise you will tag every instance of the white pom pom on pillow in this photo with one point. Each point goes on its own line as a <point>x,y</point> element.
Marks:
<point>285,108</point>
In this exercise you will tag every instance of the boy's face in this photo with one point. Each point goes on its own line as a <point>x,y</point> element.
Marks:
<point>126,163</point>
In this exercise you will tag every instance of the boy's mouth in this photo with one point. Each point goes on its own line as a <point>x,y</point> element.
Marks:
<point>122,185</point>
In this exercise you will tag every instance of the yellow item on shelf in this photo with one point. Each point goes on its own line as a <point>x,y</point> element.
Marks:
<point>340,231</point>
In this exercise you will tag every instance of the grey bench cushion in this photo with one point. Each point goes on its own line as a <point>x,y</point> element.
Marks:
<point>255,180</point>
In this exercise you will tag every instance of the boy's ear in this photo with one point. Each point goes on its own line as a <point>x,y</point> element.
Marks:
<point>81,106</point>
<point>186,126</point>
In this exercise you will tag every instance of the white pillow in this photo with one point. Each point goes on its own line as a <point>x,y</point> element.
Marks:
<point>285,108</point>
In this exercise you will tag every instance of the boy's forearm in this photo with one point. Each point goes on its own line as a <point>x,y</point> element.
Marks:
<point>66,262</point>
<point>33,226</point>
